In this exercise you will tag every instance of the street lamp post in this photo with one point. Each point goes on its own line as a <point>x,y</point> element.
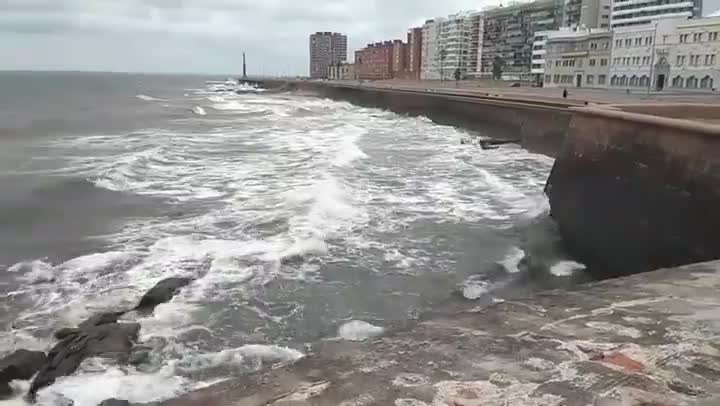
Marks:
<point>652,60</point>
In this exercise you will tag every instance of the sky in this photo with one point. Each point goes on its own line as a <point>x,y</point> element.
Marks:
<point>200,36</point>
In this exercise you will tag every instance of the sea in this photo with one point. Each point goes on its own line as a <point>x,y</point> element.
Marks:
<point>299,218</point>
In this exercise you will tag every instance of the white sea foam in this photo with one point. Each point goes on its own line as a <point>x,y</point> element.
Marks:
<point>566,268</point>
<point>199,111</point>
<point>474,289</point>
<point>36,271</point>
<point>512,260</point>
<point>149,98</point>
<point>357,330</point>
<point>253,355</point>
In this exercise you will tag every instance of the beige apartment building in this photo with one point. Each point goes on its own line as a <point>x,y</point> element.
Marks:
<point>577,57</point>
<point>342,71</point>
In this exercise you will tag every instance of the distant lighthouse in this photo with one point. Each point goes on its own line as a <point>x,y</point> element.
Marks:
<point>244,67</point>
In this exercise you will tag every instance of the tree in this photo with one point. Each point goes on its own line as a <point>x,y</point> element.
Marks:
<point>458,76</point>
<point>497,67</point>
<point>443,56</point>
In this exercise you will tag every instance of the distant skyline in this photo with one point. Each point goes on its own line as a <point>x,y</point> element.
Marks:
<point>200,36</point>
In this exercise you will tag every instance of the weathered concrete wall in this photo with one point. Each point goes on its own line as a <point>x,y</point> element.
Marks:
<point>633,192</point>
<point>540,125</point>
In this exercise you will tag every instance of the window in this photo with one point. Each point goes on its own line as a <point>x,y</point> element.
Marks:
<point>628,42</point>
<point>606,45</point>
<point>601,79</point>
<point>706,82</point>
<point>709,60</point>
<point>697,37</point>
<point>713,36</point>
<point>691,83</point>
<point>556,78</point>
<point>557,63</point>
<point>684,38</point>
<point>648,40</point>
<point>680,60</point>
<point>677,81</point>
<point>634,81</point>
<point>592,62</point>
<point>590,79</point>
<point>548,79</point>
<point>644,81</point>
<point>695,60</point>
<point>618,43</point>
<point>593,45</point>
<point>638,42</point>
<point>603,62</point>
<point>614,81</point>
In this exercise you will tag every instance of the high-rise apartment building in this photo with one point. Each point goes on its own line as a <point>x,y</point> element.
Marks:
<point>326,48</point>
<point>627,13</point>
<point>587,13</point>
<point>509,34</point>
<point>452,43</point>
<point>414,53</point>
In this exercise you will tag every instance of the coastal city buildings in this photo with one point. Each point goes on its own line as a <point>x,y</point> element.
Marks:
<point>326,48</point>
<point>342,71</point>
<point>452,43</point>
<point>414,53</point>
<point>627,13</point>
<point>675,53</point>
<point>587,13</point>
<point>577,57</point>
<point>509,34</point>
<point>375,61</point>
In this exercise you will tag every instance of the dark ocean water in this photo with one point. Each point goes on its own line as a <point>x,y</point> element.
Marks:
<point>300,218</point>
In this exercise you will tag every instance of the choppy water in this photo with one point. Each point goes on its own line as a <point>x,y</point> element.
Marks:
<point>298,217</point>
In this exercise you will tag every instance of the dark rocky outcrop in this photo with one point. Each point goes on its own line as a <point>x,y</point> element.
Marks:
<point>63,333</point>
<point>6,391</point>
<point>162,292</point>
<point>100,319</point>
<point>22,364</point>
<point>111,340</point>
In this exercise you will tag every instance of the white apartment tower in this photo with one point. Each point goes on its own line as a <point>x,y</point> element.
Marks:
<point>451,43</point>
<point>626,13</point>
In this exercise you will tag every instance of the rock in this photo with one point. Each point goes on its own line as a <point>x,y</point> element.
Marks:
<point>162,292</point>
<point>107,340</point>
<point>22,364</point>
<point>139,357</point>
<point>66,332</point>
<point>6,391</point>
<point>100,319</point>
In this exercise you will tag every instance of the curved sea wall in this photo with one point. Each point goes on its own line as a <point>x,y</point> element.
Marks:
<point>538,124</point>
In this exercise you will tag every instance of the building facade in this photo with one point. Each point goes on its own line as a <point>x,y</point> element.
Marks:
<point>676,53</point>
<point>587,13</point>
<point>399,58</point>
<point>342,71</point>
<point>452,43</point>
<point>375,61</point>
<point>577,57</point>
<point>509,36</point>
<point>326,48</point>
<point>414,53</point>
<point>627,13</point>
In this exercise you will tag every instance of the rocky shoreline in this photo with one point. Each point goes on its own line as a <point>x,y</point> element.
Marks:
<point>103,335</point>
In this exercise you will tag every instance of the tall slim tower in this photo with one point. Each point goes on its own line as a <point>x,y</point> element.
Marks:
<point>244,67</point>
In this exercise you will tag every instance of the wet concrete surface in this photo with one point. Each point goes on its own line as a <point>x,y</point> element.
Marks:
<point>651,339</point>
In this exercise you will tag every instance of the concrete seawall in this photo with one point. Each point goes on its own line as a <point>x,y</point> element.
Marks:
<point>540,124</point>
<point>634,186</point>
<point>634,192</point>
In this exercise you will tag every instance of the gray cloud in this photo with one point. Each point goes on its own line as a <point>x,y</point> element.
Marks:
<point>198,35</point>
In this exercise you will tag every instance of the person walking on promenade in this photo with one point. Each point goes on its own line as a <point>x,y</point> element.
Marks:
<point>564,93</point>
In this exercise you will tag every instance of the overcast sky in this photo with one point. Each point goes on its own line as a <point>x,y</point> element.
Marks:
<point>202,36</point>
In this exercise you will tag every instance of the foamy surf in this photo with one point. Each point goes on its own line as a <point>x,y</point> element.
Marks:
<point>566,268</point>
<point>512,260</point>
<point>357,330</point>
<point>199,111</point>
<point>149,98</point>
